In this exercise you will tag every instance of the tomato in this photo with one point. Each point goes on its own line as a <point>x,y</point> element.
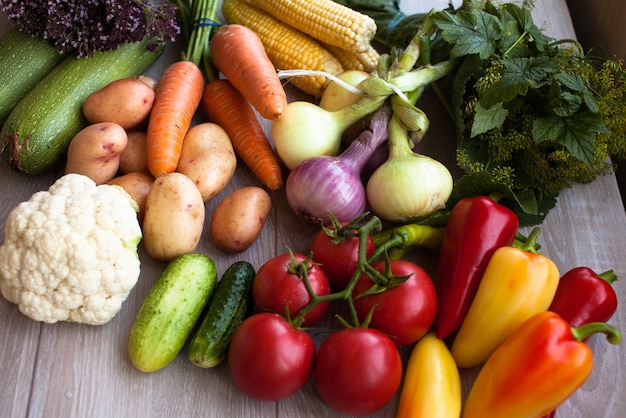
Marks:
<point>268,358</point>
<point>276,284</point>
<point>357,371</point>
<point>339,261</point>
<point>407,311</point>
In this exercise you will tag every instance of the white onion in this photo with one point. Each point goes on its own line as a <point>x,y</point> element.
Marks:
<point>306,130</point>
<point>408,185</point>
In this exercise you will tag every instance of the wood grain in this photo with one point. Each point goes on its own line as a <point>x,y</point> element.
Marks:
<point>71,370</point>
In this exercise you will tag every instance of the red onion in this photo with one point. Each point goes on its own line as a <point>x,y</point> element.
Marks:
<point>332,184</point>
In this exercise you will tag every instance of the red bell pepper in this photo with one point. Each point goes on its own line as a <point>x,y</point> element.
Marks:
<point>535,369</point>
<point>584,296</point>
<point>477,227</point>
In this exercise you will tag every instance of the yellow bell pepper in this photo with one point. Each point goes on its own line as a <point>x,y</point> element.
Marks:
<point>432,384</point>
<point>518,283</point>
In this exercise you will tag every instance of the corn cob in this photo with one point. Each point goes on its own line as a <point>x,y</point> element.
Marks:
<point>328,22</point>
<point>286,47</point>
<point>362,61</point>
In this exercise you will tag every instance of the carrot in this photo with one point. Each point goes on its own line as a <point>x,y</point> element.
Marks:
<point>177,96</point>
<point>227,107</point>
<point>239,54</point>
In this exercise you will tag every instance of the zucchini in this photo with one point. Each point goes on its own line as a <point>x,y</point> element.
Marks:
<point>24,60</point>
<point>230,304</point>
<point>170,311</point>
<point>40,127</point>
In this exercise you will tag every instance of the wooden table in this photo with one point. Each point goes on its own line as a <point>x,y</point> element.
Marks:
<point>72,370</point>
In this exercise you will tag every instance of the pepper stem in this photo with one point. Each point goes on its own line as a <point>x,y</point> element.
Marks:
<point>613,335</point>
<point>530,244</point>
<point>608,276</point>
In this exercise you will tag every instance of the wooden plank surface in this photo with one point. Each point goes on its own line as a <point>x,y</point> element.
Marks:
<point>71,370</point>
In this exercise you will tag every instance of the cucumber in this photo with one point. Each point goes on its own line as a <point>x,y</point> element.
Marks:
<point>227,308</point>
<point>170,311</point>
<point>40,127</point>
<point>24,60</point>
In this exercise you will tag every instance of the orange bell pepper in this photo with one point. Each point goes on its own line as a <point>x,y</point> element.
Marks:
<point>535,369</point>
<point>518,283</point>
<point>432,384</point>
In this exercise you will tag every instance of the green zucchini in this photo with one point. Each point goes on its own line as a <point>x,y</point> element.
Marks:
<point>227,308</point>
<point>170,311</point>
<point>40,127</point>
<point>24,60</point>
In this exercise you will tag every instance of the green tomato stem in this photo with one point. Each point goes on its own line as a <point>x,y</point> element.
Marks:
<point>363,266</point>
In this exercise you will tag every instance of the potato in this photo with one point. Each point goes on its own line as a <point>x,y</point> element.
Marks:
<point>95,151</point>
<point>126,101</point>
<point>137,185</point>
<point>135,157</point>
<point>238,220</point>
<point>173,218</point>
<point>208,158</point>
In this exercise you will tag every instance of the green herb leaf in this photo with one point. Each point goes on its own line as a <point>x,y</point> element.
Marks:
<point>474,32</point>
<point>520,74</point>
<point>524,19</point>
<point>566,104</point>
<point>529,209</point>
<point>575,83</point>
<point>511,35</point>
<point>486,119</point>
<point>576,133</point>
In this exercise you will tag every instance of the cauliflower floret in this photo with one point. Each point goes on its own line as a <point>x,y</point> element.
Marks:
<point>70,253</point>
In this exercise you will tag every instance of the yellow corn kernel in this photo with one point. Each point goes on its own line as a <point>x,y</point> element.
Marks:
<point>286,47</point>
<point>362,61</point>
<point>325,20</point>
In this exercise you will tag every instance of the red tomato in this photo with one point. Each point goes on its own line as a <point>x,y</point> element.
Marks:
<point>339,261</point>
<point>407,311</point>
<point>357,371</point>
<point>276,285</point>
<point>269,359</point>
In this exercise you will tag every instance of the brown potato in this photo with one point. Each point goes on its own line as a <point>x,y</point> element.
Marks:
<point>208,158</point>
<point>135,157</point>
<point>137,184</point>
<point>174,217</point>
<point>126,101</point>
<point>95,151</point>
<point>238,220</point>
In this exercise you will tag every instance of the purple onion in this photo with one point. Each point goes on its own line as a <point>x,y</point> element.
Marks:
<point>322,185</point>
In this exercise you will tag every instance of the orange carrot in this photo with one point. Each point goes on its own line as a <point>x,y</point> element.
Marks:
<point>226,106</point>
<point>239,54</point>
<point>177,96</point>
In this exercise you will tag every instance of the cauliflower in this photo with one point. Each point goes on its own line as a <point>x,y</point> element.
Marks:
<point>70,253</point>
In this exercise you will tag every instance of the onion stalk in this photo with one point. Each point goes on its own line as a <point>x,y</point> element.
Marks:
<point>306,130</point>
<point>323,185</point>
<point>408,185</point>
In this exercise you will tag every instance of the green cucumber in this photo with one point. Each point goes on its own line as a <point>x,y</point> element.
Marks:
<point>227,308</point>
<point>24,60</point>
<point>170,311</point>
<point>40,127</point>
